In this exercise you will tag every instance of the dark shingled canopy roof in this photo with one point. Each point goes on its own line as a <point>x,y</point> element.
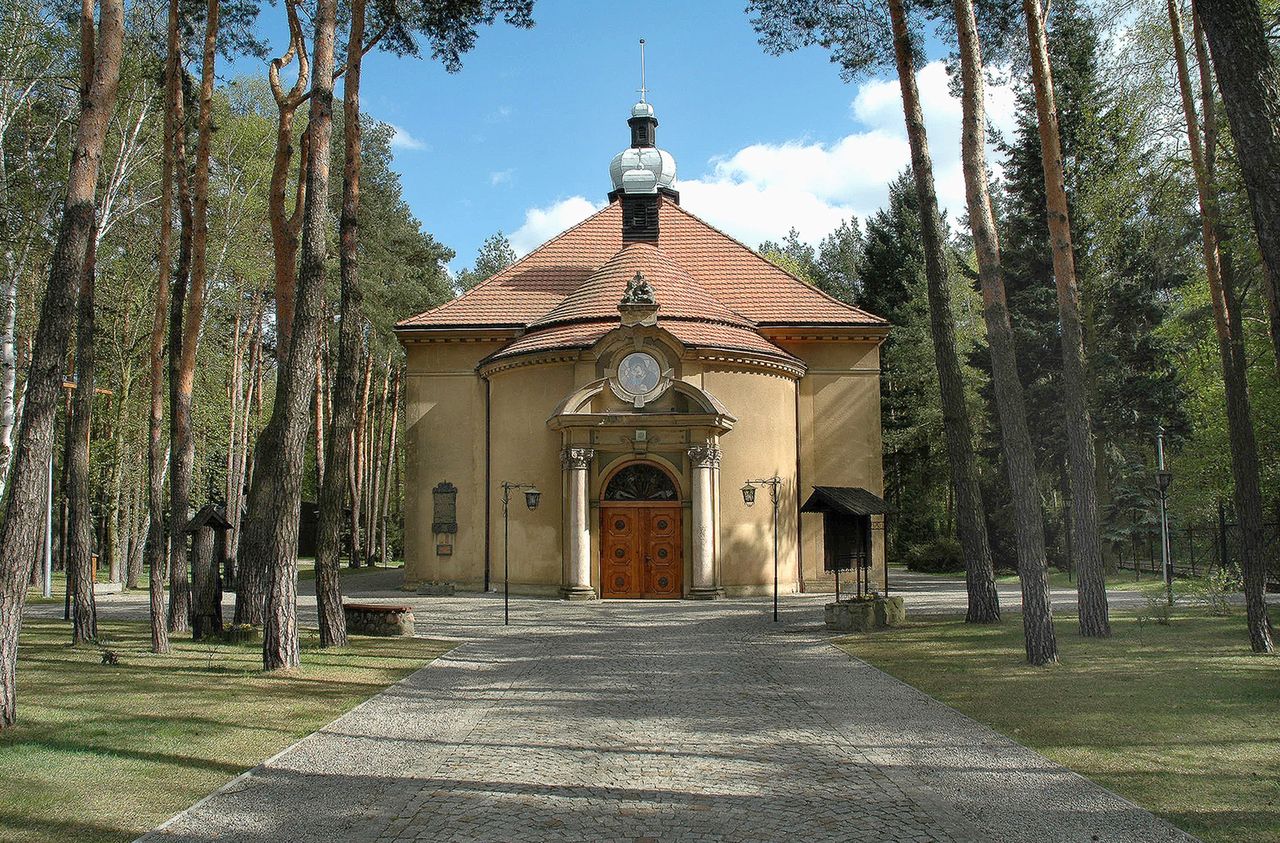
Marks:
<point>848,499</point>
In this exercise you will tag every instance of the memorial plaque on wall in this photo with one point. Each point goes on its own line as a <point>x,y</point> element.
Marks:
<point>445,517</point>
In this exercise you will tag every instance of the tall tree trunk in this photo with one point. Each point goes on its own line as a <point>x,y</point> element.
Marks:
<point>318,412</point>
<point>1249,79</point>
<point>377,427</point>
<point>8,372</point>
<point>29,478</point>
<point>179,581</point>
<point>80,567</point>
<point>1039,639</point>
<point>157,455</point>
<point>984,602</point>
<point>1090,583</point>
<point>286,226</point>
<point>333,631</point>
<point>391,459</point>
<point>182,449</point>
<point>117,519</point>
<point>271,537</point>
<point>355,465</point>
<point>1226,318</point>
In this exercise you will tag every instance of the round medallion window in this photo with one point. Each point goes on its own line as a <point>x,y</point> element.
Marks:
<point>638,373</point>
<point>662,582</point>
<point>662,553</point>
<point>619,524</point>
<point>620,583</point>
<point>662,525</point>
<point>619,553</point>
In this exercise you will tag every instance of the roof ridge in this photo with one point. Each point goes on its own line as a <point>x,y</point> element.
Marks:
<point>510,268</point>
<point>691,215</point>
<point>647,251</point>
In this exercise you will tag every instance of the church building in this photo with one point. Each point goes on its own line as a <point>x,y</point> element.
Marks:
<point>645,372</point>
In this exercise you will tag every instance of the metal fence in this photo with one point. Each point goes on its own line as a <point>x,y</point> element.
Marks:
<point>1195,549</point>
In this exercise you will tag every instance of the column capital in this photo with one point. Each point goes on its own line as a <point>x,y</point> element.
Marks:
<point>576,458</point>
<point>705,456</point>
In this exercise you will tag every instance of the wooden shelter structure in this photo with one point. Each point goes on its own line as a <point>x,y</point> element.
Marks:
<point>847,530</point>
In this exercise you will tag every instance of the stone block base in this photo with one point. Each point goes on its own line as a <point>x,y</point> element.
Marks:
<point>577,593</point>
<point>378,619</point>
<point>706,594</point>
<point>867,613</point>
<point>436,589</point>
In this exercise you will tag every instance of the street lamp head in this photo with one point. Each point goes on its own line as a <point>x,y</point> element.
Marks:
<point>531,497</point>
<point>1163,480</point>
<point>749,494</point>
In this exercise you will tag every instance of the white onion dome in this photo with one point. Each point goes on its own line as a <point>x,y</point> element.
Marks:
<point>642,168</point>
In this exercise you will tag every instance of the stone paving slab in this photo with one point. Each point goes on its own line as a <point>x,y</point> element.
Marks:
<point>679,721</point>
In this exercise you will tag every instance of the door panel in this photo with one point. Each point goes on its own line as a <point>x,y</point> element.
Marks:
<point>664,563</point>
<point>620,562</point>
<point>641,552</point>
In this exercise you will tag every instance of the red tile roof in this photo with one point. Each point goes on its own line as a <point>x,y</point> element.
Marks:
<point>739,278</point>
<point>677,294</point>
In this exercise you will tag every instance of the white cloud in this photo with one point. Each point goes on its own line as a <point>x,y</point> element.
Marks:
<point>402,141</point>
<point>501,177</point>
<point>761,191</point>
<point>541,224</point>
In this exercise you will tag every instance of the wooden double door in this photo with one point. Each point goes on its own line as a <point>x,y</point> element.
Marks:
<point>640,550</point>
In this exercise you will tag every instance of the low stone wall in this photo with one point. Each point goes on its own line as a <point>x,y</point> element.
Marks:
<point>861,615</point>
<point>378,619</point>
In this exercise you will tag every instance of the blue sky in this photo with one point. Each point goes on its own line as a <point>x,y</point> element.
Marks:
<point>520,140</point>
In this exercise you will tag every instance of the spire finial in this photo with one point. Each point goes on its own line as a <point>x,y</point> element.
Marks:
<point>643,89</point>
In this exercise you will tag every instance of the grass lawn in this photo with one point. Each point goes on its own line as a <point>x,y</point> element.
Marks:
<point>105,753</point>
<point>1057,579</point>
<point>307,568</point>
<point>1181,719</point>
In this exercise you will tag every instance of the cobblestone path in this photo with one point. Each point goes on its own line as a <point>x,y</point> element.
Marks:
<point>655,721</point>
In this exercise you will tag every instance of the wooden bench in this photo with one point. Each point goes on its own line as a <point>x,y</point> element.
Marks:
<point>389,619</point>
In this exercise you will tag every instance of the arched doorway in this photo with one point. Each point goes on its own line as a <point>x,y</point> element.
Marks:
<point>641,536</point>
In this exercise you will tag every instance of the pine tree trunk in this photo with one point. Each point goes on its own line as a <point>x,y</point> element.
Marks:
<point>391,461</point>
<point>378,425</point>
<point>156,450</point>
<point>29,478</point>
<point>1244,453</point>
<point>355,466</point>
<point>1249,80</point>
<point>80,567</point>
<point>270,541</point>
<point>1040,641</point>
<point>183,446</point>
<point>285,226</point>
<point>179,582</point>
<point>333,631</point>
<point>984,602</point>
<point>1090,583</point>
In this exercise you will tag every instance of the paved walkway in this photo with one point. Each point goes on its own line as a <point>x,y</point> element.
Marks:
<point>654,721</point>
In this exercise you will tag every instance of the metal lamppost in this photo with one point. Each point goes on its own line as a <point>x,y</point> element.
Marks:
<point>1164,478</point>
<point>531,497</point>
<point>749,498</point>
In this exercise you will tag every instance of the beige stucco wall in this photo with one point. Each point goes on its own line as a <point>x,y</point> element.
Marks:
<point>444,440</point>
<point>761,444</point>
<point>839,417</point>
<point>525,450</point>
<point>834,408</point>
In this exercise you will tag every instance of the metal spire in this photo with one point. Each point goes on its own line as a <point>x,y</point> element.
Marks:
<point>643,89</point>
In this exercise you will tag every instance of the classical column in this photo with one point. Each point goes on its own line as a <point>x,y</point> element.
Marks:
<point>705,460</point>
<point>576,463</point>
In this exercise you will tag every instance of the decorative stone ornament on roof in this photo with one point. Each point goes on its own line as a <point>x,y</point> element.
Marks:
<point>639,306</point>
